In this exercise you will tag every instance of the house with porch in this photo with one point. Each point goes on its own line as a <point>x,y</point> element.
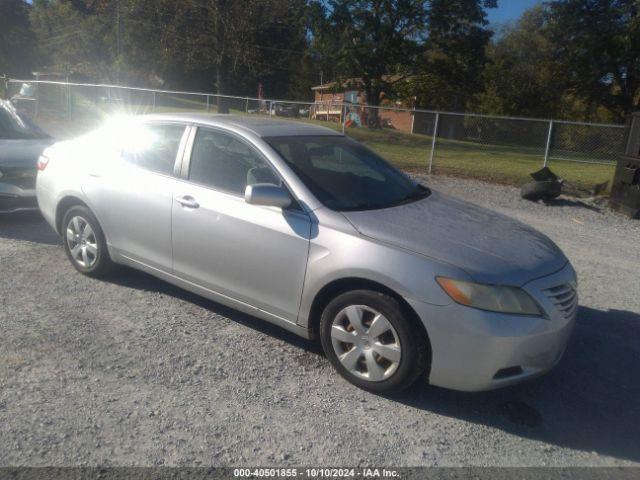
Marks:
<point>329,99</point>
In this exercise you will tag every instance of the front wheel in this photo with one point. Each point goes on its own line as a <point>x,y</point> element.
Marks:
<point>371,341</point>
<point>84,242</point>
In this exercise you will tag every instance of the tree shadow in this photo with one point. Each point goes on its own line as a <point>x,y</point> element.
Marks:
<point>590,401</point>
<point>28,226</point>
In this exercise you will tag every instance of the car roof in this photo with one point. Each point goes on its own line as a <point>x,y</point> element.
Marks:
<point>261,126</point>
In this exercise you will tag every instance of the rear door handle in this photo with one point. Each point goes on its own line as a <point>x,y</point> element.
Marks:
<point>187,201</point>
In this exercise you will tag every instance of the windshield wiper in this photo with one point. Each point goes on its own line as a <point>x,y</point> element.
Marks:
<point>418,193</point>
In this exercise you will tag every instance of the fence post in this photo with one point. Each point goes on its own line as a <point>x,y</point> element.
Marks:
<point>246,106</point>
<point>548,146</point>
<point>270,108</point>
<point>344,116</point>
<point>68,100</point>
<point>37,108</point>
<point>433,141</point>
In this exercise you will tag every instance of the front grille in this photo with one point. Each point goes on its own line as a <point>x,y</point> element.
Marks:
<point>565,298</point>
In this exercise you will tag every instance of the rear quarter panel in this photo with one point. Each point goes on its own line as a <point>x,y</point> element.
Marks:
<point>71,164</point>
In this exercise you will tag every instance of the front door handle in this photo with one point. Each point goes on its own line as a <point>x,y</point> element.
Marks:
<point>187,201</point>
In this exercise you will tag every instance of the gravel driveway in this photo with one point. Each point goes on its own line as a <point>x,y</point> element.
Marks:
<point>132,371</point>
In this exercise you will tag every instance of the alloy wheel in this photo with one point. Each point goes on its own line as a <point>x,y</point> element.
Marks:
<point>82,242</point>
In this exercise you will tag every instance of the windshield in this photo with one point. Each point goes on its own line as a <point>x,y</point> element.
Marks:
<point>345,175</point>
<point>14,126</point>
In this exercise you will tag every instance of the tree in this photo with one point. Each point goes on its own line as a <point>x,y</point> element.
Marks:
<point>520,76</point>
<point>17,42</point>
<point>317,61</point>
<point>523,75</point>
<point>598,48</point>
<point>449,70</point>
<point>221,45</point>
<point>74,36</point>
<point>254,37</point>
<point>375,41</point>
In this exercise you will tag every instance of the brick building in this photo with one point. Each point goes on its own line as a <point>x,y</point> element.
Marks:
<point>330,97</point>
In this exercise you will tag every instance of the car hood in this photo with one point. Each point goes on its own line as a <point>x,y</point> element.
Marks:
<point>490,247</point>
<point>22,153</point>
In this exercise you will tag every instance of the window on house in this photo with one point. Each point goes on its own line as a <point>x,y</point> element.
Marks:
<point>351,96</point>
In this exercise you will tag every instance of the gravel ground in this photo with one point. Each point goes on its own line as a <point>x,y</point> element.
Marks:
<point>132,371</point>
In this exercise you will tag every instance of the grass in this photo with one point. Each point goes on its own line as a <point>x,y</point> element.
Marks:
<point>493,163</point>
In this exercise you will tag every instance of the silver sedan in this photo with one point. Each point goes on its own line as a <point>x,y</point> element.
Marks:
<point>310,230</point>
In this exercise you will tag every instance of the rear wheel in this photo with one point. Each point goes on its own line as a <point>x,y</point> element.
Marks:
<point>372,342</point>
<point>84,242</point>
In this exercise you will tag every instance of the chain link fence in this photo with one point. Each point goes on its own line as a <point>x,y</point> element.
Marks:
<point>502,149</point>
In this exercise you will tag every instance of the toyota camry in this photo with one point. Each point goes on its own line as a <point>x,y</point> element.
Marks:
<point>308,229</point>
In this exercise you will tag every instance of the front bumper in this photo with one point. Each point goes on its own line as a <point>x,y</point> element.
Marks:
<point>475,350</point>
<point>16,199</point>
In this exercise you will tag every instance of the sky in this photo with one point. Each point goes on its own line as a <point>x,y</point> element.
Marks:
<point>509,10</point>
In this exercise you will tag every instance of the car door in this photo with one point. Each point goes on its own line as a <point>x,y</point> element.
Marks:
<point>133,195</point>
<point>253,254</point>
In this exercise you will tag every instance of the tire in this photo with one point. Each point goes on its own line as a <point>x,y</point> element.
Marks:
<point>86,248</point>
<point>403,345</point>
<point>545,191</point>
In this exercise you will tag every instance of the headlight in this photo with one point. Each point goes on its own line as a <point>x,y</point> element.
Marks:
<point>489,297</point>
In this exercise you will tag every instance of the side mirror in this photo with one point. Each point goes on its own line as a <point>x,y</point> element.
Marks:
<point>267,194</point>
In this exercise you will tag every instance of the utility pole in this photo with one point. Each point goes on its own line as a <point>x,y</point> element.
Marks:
<point>548,145</point>
<point>118,32</point>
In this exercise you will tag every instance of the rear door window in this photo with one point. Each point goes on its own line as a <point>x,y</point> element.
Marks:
<point>153,147</point>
